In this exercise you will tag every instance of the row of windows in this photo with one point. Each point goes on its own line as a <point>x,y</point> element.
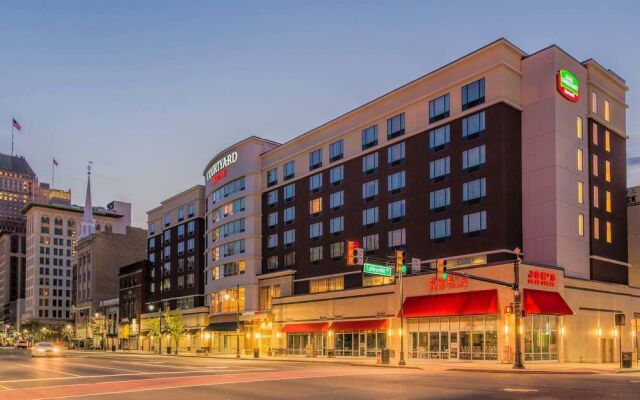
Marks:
<point>166,218</point>
<point>228,229</point>
<point>596,228</point>
<point>472,95</point>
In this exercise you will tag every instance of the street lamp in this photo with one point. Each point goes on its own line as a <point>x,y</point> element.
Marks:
<point>151,307</point>
<point>517,362</point>
<point>227,297</point>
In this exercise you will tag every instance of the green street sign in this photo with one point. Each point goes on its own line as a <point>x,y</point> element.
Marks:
<point>374,269</point>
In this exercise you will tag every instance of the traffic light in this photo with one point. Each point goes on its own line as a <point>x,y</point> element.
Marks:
<point>441,269</point>
<point>400,260</point>
<point>352,252</point>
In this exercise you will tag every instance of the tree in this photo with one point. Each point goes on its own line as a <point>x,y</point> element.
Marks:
<point>31,326</point>
<point>97,324</point>
<point>175,326</point>
<point>155,330</point>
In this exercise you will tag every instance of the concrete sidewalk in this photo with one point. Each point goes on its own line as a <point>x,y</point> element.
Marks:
<point>431,366</point>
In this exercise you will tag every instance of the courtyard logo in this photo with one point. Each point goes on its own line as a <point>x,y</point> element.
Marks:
<point>218,171</point>
<point>568,85</point>
<point>541,278</point>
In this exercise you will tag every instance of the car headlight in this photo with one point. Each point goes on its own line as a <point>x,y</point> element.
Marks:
<point>56,350</point>
<point>40,350</point>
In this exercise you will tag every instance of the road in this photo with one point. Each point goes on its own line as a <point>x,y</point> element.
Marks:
<point>107,376</point>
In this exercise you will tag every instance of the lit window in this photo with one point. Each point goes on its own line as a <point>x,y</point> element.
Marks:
<point>594,165</point>
<point>581,224</point>
<point>607,171</point>
<point>315,206</point>
<point>594,102</point>
<point>596,228</point>
<point>596,197</point>
<point>579,127</point>
<point>579,159</point>
<point>606,110</point>
<point>607,201</point>
<point>594,133</point>
<point>609,239</point>
<point>607,141</point>
<point>315,254</point>
<point>580,192</point>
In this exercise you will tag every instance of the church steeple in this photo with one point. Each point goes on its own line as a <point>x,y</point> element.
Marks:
<point>88,223</point>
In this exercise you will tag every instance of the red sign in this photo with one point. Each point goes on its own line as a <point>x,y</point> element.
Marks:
<point>541,278</point>
<point>452,282</point>
<point>217,177</point>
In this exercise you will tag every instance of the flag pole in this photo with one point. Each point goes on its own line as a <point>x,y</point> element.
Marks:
<point>53,173</point>
<point>12,119</point>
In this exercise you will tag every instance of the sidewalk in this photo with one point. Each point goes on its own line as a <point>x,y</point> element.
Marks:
<point>431,366</point>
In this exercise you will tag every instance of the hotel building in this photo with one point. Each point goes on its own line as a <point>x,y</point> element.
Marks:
<point>495,151</point>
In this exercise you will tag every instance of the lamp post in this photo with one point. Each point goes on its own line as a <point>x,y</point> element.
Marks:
<point>401,362</point>
<point>160,335</point>
<point>517,361</point>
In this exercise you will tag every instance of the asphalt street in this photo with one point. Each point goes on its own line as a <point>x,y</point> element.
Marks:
<point>108,376</point>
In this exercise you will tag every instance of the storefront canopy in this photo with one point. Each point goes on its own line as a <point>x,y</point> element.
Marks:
<point>544,302</point>
<point>223,327</point>
<point>308,327</point>
<point>463,303</point>
<point>366,325</point>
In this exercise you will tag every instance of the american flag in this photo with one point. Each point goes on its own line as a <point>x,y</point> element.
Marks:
<point>16,125</point>
<point>55,162</point>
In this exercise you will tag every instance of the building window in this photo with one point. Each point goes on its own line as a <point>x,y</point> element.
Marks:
<point>395,182</point>
<point>289,215</point>
<point>272,177</point>
<point>315,206</point>
<point>272,198</point>
<point>395,126</point>
<point>594,133</point>
<point>607,140</point>
<point>289,192</point>
<point>396,210</point>
<point>315,159</point>
<point>439,199</point>
<point>370,216</point>
<point>315,254</point>
<point>580,224</point>
<point>607,201</point>
<point>315,230</point>
<point>594,102</point>
<point>336,200</point>
<point>290,259</point>
<point>228,300</point>
<point>370,163</point>
<point>336,225</point>
<point>439,137</point>
<point>336,175</point>
<point>440,229</point>
<point>473,158</point>
<point>369,137</point>
<point>607,170</point>
<point>326,284</point>
<point>395,154</point>
<point>580,192</point>
<point>439,169</point>
<point>579,127</point>
<point>474,222</point>
<point>371,242</point>
<point>152,229</point>
<point>289,237</point>
<point>272,219</point>
<point>272,262</point>
<point>607,115</point>
<point>228,189</point>
<point>596,228</point>
<point>579,159</point>
<point>180,214</point>
<point>166,219</point>
<point>191,210</point>
<point>439,108</point>
<point>315,182</point>
<point>594,165</point>
<point>336,250</point>
<point>596,197</point>
<point>370,190</point>
<point>473,126</point>
<point>397,237</point>
<point>272,241</point>
<point>475,189</point>
<point>609,234</point>
<point>289,170</point>
<point>336,150</point>
<point>473,94</point>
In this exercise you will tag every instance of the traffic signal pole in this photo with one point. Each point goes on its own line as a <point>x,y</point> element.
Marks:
<point>401,362</point>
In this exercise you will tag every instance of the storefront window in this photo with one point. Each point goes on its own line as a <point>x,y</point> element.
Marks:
<point>360,343</point>
<point>297,343</point>
<point>540,338</point>
<point>464,338</point>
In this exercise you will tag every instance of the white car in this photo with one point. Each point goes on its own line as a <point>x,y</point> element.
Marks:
<point>45,349</point>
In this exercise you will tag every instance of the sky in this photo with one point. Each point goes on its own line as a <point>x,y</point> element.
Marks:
<point>150,91</point>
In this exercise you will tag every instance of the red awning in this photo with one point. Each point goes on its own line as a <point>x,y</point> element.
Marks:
<point>544,302</point>
<point>308,327</point>
<point>366,325</point>
<point>463,303</point>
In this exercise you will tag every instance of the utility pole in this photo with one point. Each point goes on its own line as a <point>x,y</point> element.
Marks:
<point>517,308</point>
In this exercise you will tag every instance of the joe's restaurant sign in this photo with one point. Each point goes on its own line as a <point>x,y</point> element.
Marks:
<point>219,169</point>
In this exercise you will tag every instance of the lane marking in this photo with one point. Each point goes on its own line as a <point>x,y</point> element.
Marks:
<point>99,367</point>
<point>519,390</point>
<point>48,370</point>
<point>3,387</point>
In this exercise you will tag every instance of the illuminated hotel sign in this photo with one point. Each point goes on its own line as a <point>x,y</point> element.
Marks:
<point>541,278</point>
<point>219,169</point>
<point>568,85</point>
<point>452,282</point>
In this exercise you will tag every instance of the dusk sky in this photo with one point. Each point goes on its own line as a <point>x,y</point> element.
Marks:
<point>151,90</point>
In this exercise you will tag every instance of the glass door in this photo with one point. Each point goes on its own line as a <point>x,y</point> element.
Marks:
<point>453,345</point>
<point>362,344</point>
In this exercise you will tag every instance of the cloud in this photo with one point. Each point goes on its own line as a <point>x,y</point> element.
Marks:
<point>633,162</point>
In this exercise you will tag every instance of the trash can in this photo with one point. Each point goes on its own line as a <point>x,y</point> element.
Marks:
<point>168,350</point>
<point>386,353</point>
<point>113,348</point>
<point>256,353</point>
<point>626,359</point>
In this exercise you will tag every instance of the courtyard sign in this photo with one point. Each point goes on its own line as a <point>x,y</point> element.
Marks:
<point>218,169</point>
<point>568,85</point>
